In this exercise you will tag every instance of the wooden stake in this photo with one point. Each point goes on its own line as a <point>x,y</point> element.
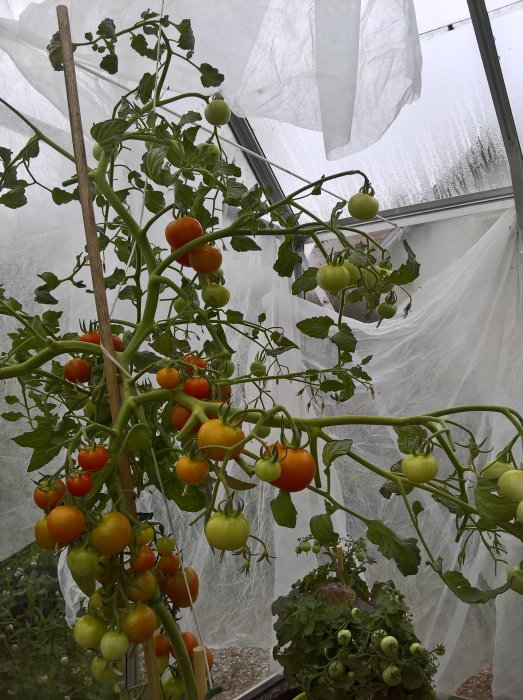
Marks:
<point>100,296</point>
<point>200,671</point>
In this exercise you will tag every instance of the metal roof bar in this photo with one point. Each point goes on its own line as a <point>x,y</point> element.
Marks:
<point>498,90</point>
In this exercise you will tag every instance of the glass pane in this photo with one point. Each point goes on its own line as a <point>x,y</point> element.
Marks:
<point>446,144</point>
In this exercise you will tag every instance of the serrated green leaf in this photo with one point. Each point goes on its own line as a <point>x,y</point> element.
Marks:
<point>189,118</point>
<point>306,282</point>
<point>61,196</point>
<point>234,193</point>
<point>408,271</point>
<point>109,133</point>
<point>315,327</point>
<point>131,292</point>
<point>334,449</point>
<point>234,316</point>
<point>241,244</point>
<point>461,587</point>
<point>344,339</point>
<point>410,438</point>
<point>12,415</point>
<point>114,279</point>
<point>154,201</point>
<point>287,258</point>
<point>11,400</point>
<point>405,552</point>
<point>5,155</point>
<point>331,385</point>
<point>14,199</point>
<point>152,164</point>
<point>109,63</point>
<point>44,296</point>
<point>283,510</point>
<point>390,488</point>
<point>164,344</point>
<point>43,456</point>
<point>186,40</point>
<point>139,44</point>
<point>210,76</point>
<point>37,438</point>
<point>107,29</point>
<point>417,508</point>
<point>323,531</point>
<point>145,87</point>
<point>54,52</point>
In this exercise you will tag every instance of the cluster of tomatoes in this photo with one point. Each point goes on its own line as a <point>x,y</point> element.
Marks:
<point>204,259</point>
<point>195,383</point>
<point>172,685</point>
<point>78,370</point>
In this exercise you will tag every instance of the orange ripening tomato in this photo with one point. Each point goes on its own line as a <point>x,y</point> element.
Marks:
<point>139,623</point>
<point>78,370</point>
<point>43,537</point>
<point>179,417</point>
<point>174,587</point>
<point>140,586</point>
<point>191,641</point>
<point>297,468</point>
<point>169,564</point>
<point>195,361</point>
<point>168,377</point>
<point>214,432</point>
<point>144,559</point>
<point>65,524</point>
<point>205,259</point>
<point>95,337</point>
<point>191,471</point>
<point>162,645</point>
<point>48,493</point>
<point>183,230</point>
<point>112,535</point>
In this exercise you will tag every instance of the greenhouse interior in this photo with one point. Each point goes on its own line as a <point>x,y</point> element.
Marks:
<point>261,368</point>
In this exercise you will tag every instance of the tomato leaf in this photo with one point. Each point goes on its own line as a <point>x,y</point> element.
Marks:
<point>344,339</point>
<point>408,271</point>
<point>14,199</point>
<point>109,133</point>
<point>139,44</point>
<point>306,282</point>
<point>154,201</point>
<point>405,552</point>
<point>39,437</point>
<point>390,488</point>
<point>334,449</point>
<point>109,63</point>
<point>164,344</point>
<point>462,588</point>
<point>12,415</point>
<point>234,316</point>
<point>283,510</point>
<point>243,243</point>
<point>107,29</point>
<point>145,87</point>
<point>323,530</point>
<point>287,258</point>
<point>237,484</point>
<point>234,193</point>
<point>62,196</point>
<point>186,40</point>
<point>54,52</point>
<point>491,507</point>
<point>410,438</point>
<point>210,77</point>
<point>42,456</point>
<point>315,327</point>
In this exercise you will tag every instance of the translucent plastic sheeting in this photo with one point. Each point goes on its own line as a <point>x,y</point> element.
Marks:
<point>309,63</point>
<point>446,144</point>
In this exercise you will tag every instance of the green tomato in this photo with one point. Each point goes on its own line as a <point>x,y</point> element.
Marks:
<point>173,688</point>
<point>420,468</point>
<point>440,650</point>
<point>354,612</point>
<point>495,468</point>
<point>267,470</point>
<point>344,637</point>
<point>391,676</point>
<point>262,431</point>
<point>336,669</point>
<point>515,578</point>
<point>82,561</point>
<point>97,151</point>
<point>89,409</point>
<point>215,295</point>
<point>162,664</point>
<point>104,672</point>
<point>316,547</point>
<point>139,438</point>
<point>182,305</point>
<point>510,485</point>
<point>377,636</point>
<point>353,272</point>
<point>165,545</point>
<point>226,368</point>
<point>114,645</point>
<point>210,152</point>
<point>386,310</point>
<point>333,278</point>
<point>363,206</point>
<point>257,368</point>
<point>416,648</point>
<point>217,112</point>
<point>305,546</point>
<point>389,646</point>
<point>227,531</point>
<point>519,512</point>
<point>88,631</point>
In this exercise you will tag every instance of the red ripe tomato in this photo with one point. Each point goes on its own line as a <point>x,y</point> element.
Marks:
<point>78,370</point>
<point>179,417</point>
<point>223,392</point>
<point>168,377</point>
<point>183,230</point>
<point>139,623</point>
<point>48,493</point>
<point>144,559</point>
<point>194,360</point>
<point>79,483</point>
<point>162,645</point>
<point>191,641</point>
<point>95,337</point>
<point>92,459</point>
<point>169,564</point>
<point>184,259</point>
<point>205,259</point>
<point>65,523</point>
<point>297,468</point>
<point>197,387</point>
<point>175,589</point>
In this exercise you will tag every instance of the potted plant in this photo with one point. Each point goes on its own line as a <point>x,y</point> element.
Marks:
<point>339,639</point>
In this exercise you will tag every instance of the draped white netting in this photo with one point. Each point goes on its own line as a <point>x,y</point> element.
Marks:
<point>460,344</point>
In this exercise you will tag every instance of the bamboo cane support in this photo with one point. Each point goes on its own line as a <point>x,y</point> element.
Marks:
<point>200,671</point>
<point>100,296</point>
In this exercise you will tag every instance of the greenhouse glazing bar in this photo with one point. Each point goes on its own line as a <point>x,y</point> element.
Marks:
<point>498,90</point>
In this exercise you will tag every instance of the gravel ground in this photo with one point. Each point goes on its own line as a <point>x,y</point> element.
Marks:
<point>237,670</point>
